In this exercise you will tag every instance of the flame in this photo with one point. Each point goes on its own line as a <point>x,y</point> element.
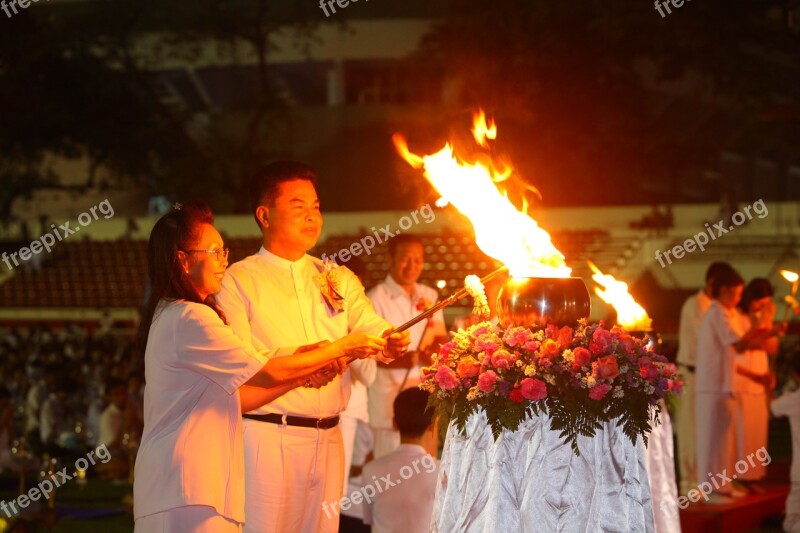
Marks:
<point>630,315</point>
<point>790,276</point>
<point>481,131</point>
<point>501,230</point>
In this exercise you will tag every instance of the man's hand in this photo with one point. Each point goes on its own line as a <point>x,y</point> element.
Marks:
<point>397,344</point>
<point>310,347</point>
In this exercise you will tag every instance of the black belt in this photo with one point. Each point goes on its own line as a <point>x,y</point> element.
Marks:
<point>301,421</point>
<point>690,368</point>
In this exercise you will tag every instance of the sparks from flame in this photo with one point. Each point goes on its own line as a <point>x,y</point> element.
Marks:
<point>501,230</point>
<point>630,315</point>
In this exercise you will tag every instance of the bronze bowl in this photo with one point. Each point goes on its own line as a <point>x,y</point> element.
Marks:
<point>651,339</point>
<point>537,302</point>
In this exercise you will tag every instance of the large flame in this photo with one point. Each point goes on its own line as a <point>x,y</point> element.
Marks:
<point>790,276</point>
<point>501,230</point>
<point>630,315</point>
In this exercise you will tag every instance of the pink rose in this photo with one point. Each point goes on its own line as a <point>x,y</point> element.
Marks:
<point>582,356</point>
<point>446,378</point>
<point>550,348</point>
<point>606,368</point>
<point>446,347</point>
<point>602,337</point>
<point>488,347</point>
<point>486,381</point>
<point>599,390</point>
<point>468,367</point>
<point>502,359</point>
<point>565,336</point>
<point>530,345</point>
<point>517,336</point>
<point>533,389</point>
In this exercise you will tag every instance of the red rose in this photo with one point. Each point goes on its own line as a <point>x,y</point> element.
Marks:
<point>516,396</point>
<point>565,336</point>
<point>599,390</point>
<point>502,359</point>
<point>582,356</point>
<point>606,368</point>
<point>486,381</point>
<point>446,378</point>
<point>533,389</point>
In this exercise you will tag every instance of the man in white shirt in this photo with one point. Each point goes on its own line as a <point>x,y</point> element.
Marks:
<point>281,299</point>
<point>404,481</point>
<point>398,299</point>
<point>691,315</point>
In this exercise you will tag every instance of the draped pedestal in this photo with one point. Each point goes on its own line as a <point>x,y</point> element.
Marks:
<point>530,481</point>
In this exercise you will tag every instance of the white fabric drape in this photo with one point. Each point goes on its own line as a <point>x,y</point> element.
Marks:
<point>531,481</point>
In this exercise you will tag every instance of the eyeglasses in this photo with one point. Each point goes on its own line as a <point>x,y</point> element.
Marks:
<point>222,253</point>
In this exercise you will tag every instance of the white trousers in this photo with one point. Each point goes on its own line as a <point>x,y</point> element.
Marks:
<point>687,435</point>
<point>189,519</point>
<point>751,432</point>
<point>292,475</point>
<point>716,437</point>
<point>791,524</point>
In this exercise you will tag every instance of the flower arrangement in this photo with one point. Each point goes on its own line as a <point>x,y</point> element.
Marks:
<point>580,377</point>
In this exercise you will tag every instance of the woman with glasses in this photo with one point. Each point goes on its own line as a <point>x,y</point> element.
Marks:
<point>189,474</point>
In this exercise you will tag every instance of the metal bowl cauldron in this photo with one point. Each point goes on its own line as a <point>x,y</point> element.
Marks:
<point>651,339</point>
<point>537,302</point>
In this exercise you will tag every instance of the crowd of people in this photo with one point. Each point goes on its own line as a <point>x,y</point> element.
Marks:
<point>67,390</point>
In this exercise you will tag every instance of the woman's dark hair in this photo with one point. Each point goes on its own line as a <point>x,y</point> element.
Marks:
<point>725,278</point>
<point>177,230</point>
<point>757,288</point>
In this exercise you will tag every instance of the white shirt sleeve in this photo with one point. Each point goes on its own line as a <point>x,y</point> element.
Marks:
<point>725,329</point>
<point>786,405</point>
<point>687,332</point>
<point>207,346</point>
<point>364,371</point>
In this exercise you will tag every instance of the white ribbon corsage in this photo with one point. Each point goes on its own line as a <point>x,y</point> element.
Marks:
<point>330,285</point>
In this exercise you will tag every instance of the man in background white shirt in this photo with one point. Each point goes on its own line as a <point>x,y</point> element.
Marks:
<point>398,299</point>
<point>691,315</point>
<point>281,299</point>
<point>407,476</point>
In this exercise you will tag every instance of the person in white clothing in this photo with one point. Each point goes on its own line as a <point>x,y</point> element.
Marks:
<point>788,405</point>
<point>398,299</point>
<point>723,339</point>
<point>404,481</point>
<point>190,467</point>
<point>691,315</point>
<point>754,380</point>
<point>278,299</point>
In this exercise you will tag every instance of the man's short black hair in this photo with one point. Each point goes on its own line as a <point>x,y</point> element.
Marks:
<point>264,184</point>
<point>406,238</point>
<point>725,278</point>
<point>716,268</point>
<point>757,289</point>
<point>411,415</point>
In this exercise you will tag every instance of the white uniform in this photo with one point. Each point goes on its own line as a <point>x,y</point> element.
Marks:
<point>753,411</point>
<point>405,486</point>
<point>717,420</point>
<point>691,315</point>
<point>190,466</point>
<point>394,304</point>
<point>292,471</point>
<point>789,405</point>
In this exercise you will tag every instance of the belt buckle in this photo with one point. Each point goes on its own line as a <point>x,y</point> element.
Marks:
<point>319,421</point>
